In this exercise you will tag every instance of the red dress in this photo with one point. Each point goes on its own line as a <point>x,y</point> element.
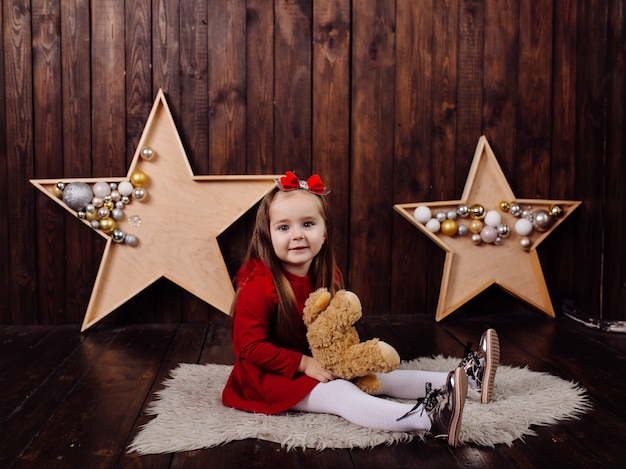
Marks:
<point>264,378</point>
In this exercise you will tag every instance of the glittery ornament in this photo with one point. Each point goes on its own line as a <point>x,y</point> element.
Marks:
<point>77,195</point>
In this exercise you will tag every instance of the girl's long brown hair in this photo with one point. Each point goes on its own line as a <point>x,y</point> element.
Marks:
<point>323,271</point>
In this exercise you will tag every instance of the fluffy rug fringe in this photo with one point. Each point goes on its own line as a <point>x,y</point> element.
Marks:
<point>189,414</point>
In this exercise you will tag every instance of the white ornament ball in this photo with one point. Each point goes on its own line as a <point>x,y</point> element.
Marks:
<point>461,230</point>
<point>101,189</point>
<point>493,218</point>
<point>488,234</point>
<point>422,214</point>
<point>523,227</point>
<point>433,225</point>
<point>125,188</point>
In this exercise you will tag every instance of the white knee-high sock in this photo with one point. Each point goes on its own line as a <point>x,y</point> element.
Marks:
<point>409,384</point>
<point>343,398</point>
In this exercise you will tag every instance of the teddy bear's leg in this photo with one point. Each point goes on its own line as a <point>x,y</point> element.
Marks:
<point>367,357</point>
<point>390,354</point>
<point>368,383</point>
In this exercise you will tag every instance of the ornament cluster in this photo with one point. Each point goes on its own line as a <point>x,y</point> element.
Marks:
<point>488,226</point>
<point>102,204</point>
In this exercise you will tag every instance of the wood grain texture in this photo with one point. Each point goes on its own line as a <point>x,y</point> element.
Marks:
<point>385,99</point>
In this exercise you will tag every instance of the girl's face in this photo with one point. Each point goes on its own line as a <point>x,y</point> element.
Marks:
<point>297,229</point>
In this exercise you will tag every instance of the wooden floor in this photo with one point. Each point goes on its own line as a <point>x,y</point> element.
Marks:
<point>76,400</point>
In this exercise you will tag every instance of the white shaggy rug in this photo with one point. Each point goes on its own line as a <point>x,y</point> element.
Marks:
<point>190,415</point>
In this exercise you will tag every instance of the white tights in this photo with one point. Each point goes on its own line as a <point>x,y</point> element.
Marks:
<point>343,398</point>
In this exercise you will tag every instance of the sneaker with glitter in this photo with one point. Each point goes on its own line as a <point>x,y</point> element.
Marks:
<point>480,365</point>
<point>444,406</point>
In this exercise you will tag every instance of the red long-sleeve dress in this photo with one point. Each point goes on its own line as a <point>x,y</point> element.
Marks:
<point>264,378</point>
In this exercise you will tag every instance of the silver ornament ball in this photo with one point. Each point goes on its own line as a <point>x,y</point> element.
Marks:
<point>118,235</point>
<point>131,240</point>
<point>543,221</point>
<point>77,195</point>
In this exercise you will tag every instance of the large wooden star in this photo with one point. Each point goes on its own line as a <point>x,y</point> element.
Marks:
<point>468,268</point>
<point>176,225</point>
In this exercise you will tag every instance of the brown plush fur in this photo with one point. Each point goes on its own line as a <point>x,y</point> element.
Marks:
<point>335,343</point>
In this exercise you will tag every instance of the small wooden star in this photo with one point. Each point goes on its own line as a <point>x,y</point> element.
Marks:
<point>469,268</point>
<point>176,224</point>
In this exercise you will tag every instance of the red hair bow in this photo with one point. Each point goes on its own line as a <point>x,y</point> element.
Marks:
<point>290,182</point>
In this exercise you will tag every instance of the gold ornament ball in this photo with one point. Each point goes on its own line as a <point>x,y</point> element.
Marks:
<point>107,224</point>
<point>138,178</point>
<point>477,212</point>
<point>476,226</point>
<point>449,227</point>
<point>556,211</point>
<point>57,191</point>
<point>504,206</point>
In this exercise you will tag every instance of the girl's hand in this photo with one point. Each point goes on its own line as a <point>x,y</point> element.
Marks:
<point>312,368</point>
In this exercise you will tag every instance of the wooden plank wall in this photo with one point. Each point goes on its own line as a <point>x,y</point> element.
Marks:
<point>385,98</point>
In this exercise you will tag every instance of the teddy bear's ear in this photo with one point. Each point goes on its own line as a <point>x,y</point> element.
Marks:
<point>323,300</point>
<point>316,303</point>
<point>353,299</point>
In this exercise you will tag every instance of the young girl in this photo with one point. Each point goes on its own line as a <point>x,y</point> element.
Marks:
<point>290,256</point>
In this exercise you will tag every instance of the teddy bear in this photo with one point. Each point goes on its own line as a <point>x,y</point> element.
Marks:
<point>335,343</point>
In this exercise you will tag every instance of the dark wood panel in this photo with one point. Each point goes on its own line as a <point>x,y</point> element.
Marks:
<point>331,114</point>
<point>5,273</point>
<point>48,152</point>
<point>372,136</point>
<point>20,163</point>
<point>385,99</point>
<point>415,157</point>
<point>78,271</point>
<point>615,268</point>
<point>292,86</point>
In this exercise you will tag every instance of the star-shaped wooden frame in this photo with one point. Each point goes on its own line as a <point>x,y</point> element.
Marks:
<point>469,269</point>
<point>177,225</point>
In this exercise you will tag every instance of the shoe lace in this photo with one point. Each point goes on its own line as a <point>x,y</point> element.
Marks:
<point>428,402</point>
